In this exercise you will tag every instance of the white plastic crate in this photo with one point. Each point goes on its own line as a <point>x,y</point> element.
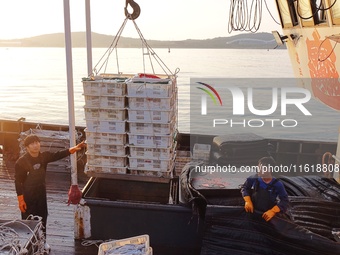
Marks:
<point>111,161</point>
<point>151,153</point>
<point>106,87</point>
<point>152,141</point>
<point>105,101</point>
<point>141,89</point>
<point>201,151</point>
<point>90,169</point>
<point>162,165</point>
<point>151,128</point>
<point>167,174</point>
<point>106,126</point>
<point>182,158</point>
<point>150,116</point>
<point>106,149</point>
<point>104,248</point>
<point>105,138</point>
<point>146,103</point>
<point>104,114</point>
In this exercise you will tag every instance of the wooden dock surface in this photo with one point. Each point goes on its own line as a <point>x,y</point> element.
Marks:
<point>60,222</point>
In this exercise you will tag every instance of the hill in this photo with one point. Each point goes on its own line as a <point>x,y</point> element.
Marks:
<point>243,41</point>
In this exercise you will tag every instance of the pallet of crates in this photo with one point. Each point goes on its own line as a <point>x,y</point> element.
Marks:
<point>152,124</point>
<point>105,116</point>
<point>151,152</point>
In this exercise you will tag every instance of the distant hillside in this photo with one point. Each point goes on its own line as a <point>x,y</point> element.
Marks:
<point>243,41</point>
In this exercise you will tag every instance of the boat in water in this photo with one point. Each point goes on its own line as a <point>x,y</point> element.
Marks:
<point>191,203</point>
<point>199,210</point>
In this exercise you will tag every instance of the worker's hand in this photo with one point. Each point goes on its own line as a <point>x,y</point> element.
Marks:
<point>268,215</point>
<point>248,206</point>
<point>22,203</point>
<point>78,147</point>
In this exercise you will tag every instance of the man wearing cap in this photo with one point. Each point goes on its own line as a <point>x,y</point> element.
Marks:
<point>30,174</point>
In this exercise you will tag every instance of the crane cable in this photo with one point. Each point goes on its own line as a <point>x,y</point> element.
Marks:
<point>104,60</point>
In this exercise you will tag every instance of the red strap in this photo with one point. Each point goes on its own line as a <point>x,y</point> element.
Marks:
<point>145,75</point>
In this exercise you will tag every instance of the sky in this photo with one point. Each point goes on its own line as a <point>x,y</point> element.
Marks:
<point>159,19</point>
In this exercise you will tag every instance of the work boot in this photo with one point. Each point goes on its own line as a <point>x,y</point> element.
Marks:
<point>47,248</point>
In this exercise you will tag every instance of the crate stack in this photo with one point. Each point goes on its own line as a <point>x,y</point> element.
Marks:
<point>131,125</point>
<point>105,116</point>
<point>152,122</point>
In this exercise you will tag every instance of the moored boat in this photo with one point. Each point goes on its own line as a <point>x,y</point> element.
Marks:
<point>200,212</point>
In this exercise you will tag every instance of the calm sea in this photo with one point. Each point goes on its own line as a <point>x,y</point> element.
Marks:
<point>33,81</point>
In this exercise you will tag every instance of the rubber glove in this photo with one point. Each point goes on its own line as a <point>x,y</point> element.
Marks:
<point>22,203</point>
<point>78,147</point>
<point>248,206</point>
<point>271,213</point>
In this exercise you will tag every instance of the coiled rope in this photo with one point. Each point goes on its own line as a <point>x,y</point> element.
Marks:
<point>10,239</point>
<point>244,17</point>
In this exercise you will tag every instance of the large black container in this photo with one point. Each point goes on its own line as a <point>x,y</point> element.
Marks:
<point>125,208</point>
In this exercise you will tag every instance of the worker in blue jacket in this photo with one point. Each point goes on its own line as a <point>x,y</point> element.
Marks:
<point>263,192</point>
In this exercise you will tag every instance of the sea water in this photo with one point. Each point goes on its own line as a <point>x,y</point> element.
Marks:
<point>33,81</point>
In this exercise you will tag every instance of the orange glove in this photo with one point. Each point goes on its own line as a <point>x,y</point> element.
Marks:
<point>271,213</point>
<point>78,147</point>
<point>248,206</point>
<point>22,203</point>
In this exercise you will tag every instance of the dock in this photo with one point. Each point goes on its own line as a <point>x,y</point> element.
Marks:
<point>60,222</point>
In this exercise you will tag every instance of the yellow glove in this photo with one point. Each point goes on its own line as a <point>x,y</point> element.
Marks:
<point>22,203</point>
<point>270,213</point>
<point>78,147</point>
<point>248,206</point>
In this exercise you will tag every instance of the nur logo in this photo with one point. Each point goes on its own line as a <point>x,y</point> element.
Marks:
<point>240,100</point>
<point>210,91</point>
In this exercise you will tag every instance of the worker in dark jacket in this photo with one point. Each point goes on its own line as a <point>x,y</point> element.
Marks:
<point>30,173</point>
<point>263,192</point>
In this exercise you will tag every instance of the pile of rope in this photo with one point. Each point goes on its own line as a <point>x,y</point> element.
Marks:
<point>9,239</point>
<point>12,243</point>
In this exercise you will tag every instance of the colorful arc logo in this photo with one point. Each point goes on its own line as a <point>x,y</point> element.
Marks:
<point>210,91</point>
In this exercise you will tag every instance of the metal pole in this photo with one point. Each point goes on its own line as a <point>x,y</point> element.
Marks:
<point>88,36</point>
<point>72,129</point>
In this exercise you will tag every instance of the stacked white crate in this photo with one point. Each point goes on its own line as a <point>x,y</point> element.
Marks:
<point>152,123</point>
<point>105,116</point>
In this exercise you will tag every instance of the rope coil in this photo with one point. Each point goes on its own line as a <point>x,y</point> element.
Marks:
<point>244,17</point>
<point>10,238</point>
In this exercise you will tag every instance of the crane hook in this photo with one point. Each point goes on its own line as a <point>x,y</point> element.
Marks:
<point>136,10</point>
